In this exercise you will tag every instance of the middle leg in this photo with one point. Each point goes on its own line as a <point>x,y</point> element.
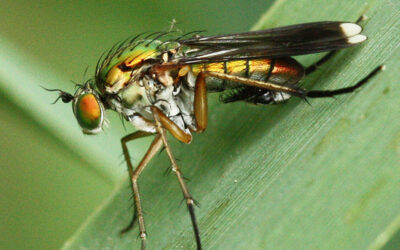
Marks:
<point>179,175</point>
<point>200,103</point>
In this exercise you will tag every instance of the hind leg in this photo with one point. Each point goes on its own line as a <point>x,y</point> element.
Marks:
<point>310,69</point>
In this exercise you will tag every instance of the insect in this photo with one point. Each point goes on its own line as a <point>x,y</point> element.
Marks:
<point>160,85</point>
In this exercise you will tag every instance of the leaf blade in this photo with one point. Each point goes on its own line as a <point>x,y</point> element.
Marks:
<point>279,181</point>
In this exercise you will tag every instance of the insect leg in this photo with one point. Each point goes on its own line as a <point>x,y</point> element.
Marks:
<point>176,131</point>
<point>200,103</point>
<point>330,93</point>
<point>321,61</point>
<point>178,173</point>
<point>134,175</point>
<point>124,141</point>
<point>328,56</point>
<point>259,84</point>
<point>300,92</point>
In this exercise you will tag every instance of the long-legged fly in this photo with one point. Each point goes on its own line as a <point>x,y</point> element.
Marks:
<point>161,86</point>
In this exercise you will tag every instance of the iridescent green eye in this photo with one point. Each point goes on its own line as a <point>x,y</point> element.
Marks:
<point>89,113</point>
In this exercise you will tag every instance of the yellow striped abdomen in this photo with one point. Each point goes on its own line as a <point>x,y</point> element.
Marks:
<point>279,71</point>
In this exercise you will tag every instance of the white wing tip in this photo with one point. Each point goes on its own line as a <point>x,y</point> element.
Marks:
<point>356,39</point>
<point>350,29</point>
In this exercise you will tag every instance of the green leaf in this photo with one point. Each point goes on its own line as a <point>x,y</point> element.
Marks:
<point>52,176</point>
<point>324,175</point>
<point>287,176</point>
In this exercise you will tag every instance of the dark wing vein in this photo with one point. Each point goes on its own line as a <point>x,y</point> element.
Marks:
<point>271,43</point>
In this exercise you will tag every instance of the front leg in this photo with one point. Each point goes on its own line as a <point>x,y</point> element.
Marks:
<point>134,175</point>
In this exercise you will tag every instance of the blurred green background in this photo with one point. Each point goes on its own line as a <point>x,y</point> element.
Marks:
<point>296,176</point>
<point>49,180</point>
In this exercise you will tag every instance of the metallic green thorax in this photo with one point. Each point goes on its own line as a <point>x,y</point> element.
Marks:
<point>121,64</point>
<point>126,53</point>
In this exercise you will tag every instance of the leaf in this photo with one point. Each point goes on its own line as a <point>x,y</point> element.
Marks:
<point>52,176</point>
<point>287,176</point>
<point>324,175</point>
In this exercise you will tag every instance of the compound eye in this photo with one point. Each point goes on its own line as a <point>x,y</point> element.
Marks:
<point>89,113</point>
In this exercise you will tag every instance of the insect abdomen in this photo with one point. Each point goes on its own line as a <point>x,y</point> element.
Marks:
<point>285,71</point>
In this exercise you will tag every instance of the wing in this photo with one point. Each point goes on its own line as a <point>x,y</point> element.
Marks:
<point>286,41</point>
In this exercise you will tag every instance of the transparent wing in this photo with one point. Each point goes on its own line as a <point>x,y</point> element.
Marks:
<point>286,41</point>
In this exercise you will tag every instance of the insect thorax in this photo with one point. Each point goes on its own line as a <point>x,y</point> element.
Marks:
<point>129,87</point>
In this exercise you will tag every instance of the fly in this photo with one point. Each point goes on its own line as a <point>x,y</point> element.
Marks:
<point>161,86</point>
